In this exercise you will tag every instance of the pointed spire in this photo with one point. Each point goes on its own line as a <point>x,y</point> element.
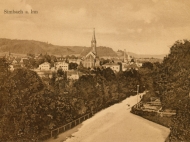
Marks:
<point>124,58</point>
<point>93,36</point>
<point>93,42</point>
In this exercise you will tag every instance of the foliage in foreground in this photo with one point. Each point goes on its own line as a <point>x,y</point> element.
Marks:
<point>172,82</point>
<point>30,108</point>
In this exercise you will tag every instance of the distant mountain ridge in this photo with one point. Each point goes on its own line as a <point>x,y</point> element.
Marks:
<point>161,56</point>
<point>38,47</point>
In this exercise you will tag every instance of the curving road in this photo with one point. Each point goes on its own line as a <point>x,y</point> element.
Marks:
<point>116,124</point>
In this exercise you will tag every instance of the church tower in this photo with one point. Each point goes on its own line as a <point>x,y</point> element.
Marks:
<point>93,43</point>
<point>124,58</point>
<point>91,59</point>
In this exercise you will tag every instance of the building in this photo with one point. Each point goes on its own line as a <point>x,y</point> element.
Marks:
<point>115,67</point>
<point>126,57</point>
<point>61,65</point>
<point>129,62</point>
<point>61,59</point>
<point>91,59</point>
<point>130,66</point>
<point>126,61</point>
<point>45,66</point>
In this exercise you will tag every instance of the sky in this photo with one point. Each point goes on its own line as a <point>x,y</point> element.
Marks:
<point>139,26</point>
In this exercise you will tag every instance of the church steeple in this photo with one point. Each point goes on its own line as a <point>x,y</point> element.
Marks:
<point>93,42</point>
<point>124,58</point>
<point>93,36</point>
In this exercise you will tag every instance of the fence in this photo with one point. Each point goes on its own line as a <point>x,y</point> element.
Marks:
<point>74,123</point>
<point>138,105</point>
<point>66,127</point>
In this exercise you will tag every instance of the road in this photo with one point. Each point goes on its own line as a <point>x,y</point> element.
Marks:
<point>116,124</point>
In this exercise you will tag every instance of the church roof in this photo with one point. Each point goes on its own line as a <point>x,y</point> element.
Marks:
<point>85,51</point>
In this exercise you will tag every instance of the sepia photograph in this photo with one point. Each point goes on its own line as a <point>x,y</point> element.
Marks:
<point>95,71</point>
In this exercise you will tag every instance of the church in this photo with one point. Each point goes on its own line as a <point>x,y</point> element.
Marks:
<point>91,60</point>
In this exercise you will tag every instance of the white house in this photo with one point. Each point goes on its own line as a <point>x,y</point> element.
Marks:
<point>115,67</point>
<point>64,66</point>
<point>45,66</point>
<point>129,66</point>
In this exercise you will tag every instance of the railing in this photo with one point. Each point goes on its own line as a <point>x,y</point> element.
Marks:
<point>166,114</point>
<point>66,127</point>
<point>138,105</point>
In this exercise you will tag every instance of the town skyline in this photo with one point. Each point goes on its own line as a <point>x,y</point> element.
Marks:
<point>149,27</point>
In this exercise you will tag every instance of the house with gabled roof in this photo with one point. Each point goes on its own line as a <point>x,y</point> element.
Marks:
<point>45,66</point>
<point>115,67</point>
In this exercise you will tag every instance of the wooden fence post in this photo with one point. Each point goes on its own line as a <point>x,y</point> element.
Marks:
<point>51,134</point>
<point>70,125</point>
<point>80,120</point>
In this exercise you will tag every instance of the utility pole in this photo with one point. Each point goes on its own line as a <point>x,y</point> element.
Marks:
<point>137,92</point>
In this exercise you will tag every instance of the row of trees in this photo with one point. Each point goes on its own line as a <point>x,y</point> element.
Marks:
<point>31,108</point>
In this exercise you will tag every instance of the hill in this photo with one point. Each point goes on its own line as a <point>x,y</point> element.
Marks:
<point>20,47</point>
<point>37,47</point>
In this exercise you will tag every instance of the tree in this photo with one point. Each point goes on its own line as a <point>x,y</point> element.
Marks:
<point>4,69</point>
<point>30,55</point>
<point>47,58</point>
<point>73,66</point>
<point>4,74</point>
<point>104,61</point>
<point>180,129</point>
<point>148,65</point>
<point>19,117</point>
<point>109,74</point>
<point>60,72</point>
<point>172,79</point>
